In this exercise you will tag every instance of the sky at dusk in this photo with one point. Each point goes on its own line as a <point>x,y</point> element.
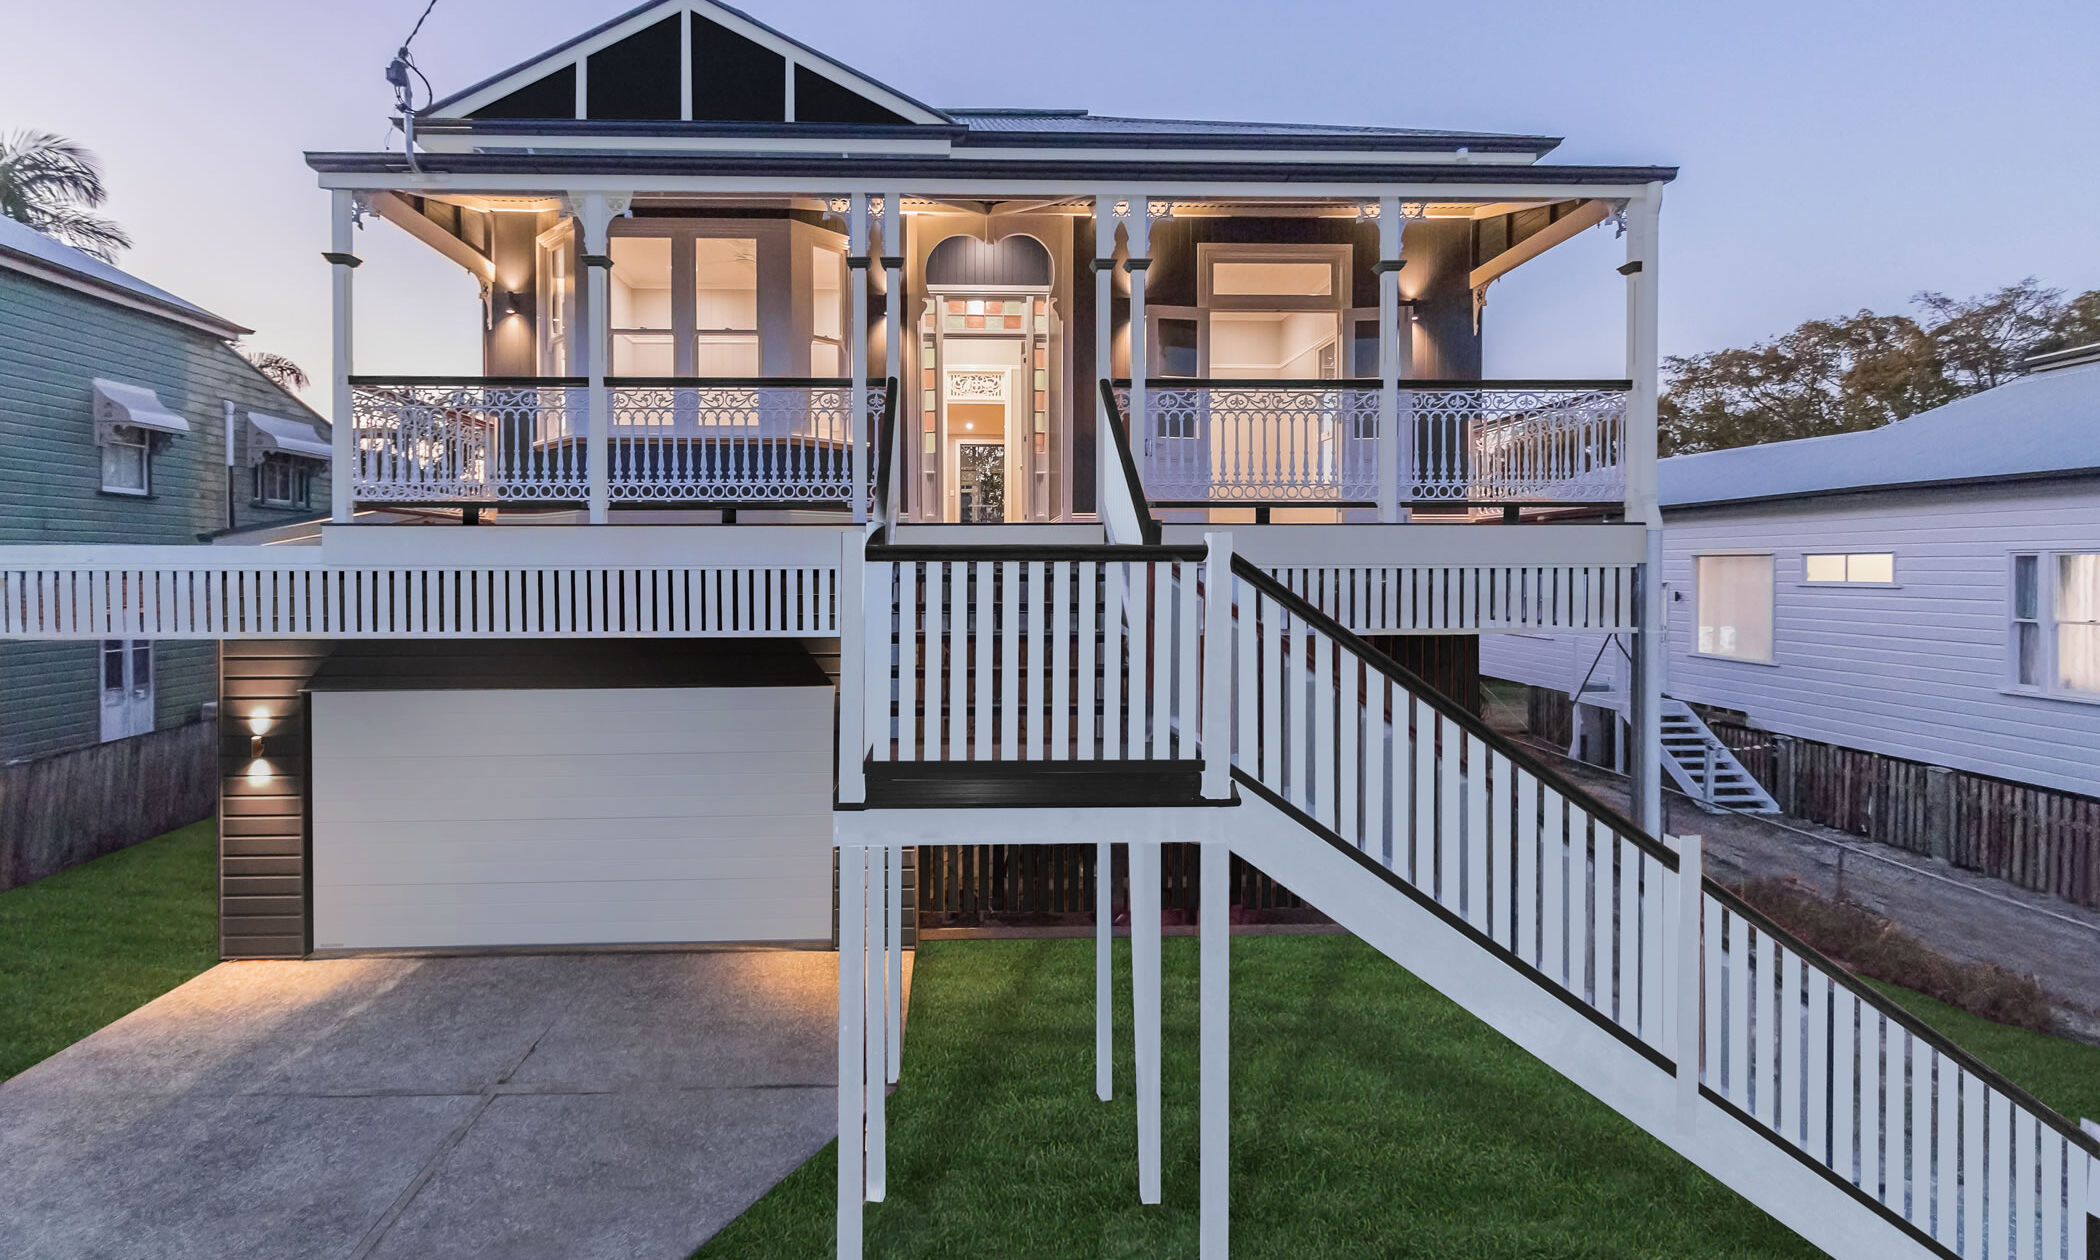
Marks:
<point>1835,154</point>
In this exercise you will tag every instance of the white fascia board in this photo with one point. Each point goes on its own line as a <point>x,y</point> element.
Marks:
<point>442,546</point>
<point>1441,158</point>
<point>1422,544</point>
<point>846,182</point>
<point>745,145</point>
<point>119,297</point>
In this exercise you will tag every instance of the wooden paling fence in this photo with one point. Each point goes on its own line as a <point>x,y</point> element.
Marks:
<point>60,811</point>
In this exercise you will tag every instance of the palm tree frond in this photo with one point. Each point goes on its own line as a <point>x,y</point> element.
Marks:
<point>51,183</point>
<point>88,233</point>
<point>288,375</point>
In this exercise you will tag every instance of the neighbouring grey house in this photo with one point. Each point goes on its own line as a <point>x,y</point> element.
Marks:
<point>1928,592</point>
<point>127,416</point>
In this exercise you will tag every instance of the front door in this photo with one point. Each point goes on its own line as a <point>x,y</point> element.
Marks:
<point>981,482</point>
<point>127,688</point>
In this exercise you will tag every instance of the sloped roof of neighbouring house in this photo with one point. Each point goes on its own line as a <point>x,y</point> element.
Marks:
<point>2044,424</point>
<point>24,249</point>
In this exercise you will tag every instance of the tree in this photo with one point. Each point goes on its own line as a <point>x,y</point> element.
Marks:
<point>1866,370</point>
<point>289,376</point>
<point>53,185</point>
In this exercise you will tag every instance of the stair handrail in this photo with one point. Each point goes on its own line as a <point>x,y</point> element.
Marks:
<point>1148,525</point>
<point>1664,853</point>
<point>886,456</point>
<point>1467,722</point>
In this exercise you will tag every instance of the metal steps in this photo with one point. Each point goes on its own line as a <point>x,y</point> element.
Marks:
<point>1706,769</point>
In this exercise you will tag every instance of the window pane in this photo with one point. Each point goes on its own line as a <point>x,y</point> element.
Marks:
<point>141,668</point>
<point>727,354</point>
<point>1177,347</point>
<point>2077,656</point>
<point>1826,568</point>
<point>827,305</point>
<point>113,664</point>
<point>2078,588</point>
<point>1735,606</point>
<point>2029,638</point>
<point>2027,602</point>
<point>124,462</point>
<point>643,354</point>
<point>1272,279</point>
<point>1878,567</point>
<point>823,358</point>
<point>1363,351</point>
<point>725,290</point>
<point>640,285</point>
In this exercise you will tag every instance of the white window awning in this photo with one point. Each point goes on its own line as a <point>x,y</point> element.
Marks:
<point>118,404</point>
<point>275,435</point>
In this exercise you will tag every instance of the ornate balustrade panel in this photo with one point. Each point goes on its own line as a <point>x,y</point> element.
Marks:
<point>1444,598</point>
<point>427,440</point>
<point>219,597</point>
<point>778,441</point>
<point>1316,442</point>
<point>1518,443</point>
<point>1251,442</point>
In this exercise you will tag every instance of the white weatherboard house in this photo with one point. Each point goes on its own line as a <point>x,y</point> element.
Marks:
<point>1929,590</point>
<point>805,503</point>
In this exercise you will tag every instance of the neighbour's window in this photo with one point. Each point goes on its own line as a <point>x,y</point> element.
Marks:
<point>1858,568</point>
<point>1735,607</point>
<point>2078,622</point>
<point>127,461</point>
<point>282,481</point>
<point>2055,633</point>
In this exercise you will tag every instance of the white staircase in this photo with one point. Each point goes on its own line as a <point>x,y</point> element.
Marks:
<point>1706,769</point>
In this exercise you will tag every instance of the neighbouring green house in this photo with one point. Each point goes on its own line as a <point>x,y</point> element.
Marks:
<point>127,416</point>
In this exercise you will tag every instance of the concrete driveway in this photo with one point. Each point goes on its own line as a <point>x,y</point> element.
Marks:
<point>563,1105</point>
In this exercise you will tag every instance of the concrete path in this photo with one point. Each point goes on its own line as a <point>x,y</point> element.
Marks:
<point>565,1106</point>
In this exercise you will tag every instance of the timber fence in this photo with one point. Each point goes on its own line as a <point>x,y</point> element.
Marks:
<point>62,810</point>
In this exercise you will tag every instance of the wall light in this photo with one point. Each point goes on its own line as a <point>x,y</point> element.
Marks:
<point>503,303</point>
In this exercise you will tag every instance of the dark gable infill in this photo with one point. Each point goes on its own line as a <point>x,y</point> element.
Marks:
<point>914,166</point>
<point>436,108</point>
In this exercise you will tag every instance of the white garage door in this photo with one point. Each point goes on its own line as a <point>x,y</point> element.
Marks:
<point>613,816</point>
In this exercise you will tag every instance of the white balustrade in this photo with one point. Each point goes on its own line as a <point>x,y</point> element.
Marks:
<point>761,442</point>
<point>1051,657</point>
<point>1447,598</point>
<point>1315,443</point>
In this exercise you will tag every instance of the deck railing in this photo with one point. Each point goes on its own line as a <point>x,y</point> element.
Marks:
<point>760,441</point>
<point>1317,442</point>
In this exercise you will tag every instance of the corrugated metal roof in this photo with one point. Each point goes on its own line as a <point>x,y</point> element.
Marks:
<point>1079,122</point>
<point>2040,424</point>
<point>23,241</point>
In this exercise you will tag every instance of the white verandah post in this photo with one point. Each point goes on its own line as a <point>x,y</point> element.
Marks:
<point>1217,667</point>
<point>595,213</point>
<point>1139,230</point>
<point>1643,368</point>
<point>1104,265</point>
<point>1388,271</point>
<point>857,401</point>
<point>342,475</point>
<point>896,324</point>
<point>853,1087</point>
<point>1144,995</point>
<point>1685,949</point>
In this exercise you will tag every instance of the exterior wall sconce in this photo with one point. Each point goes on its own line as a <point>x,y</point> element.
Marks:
<point>259,723</point>
<point>503,304</point>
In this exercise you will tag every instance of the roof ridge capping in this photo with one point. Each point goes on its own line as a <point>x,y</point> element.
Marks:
<point>2073,356</point>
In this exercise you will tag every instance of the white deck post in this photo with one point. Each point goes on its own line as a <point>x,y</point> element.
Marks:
<point>853,962</point>
<point>1691,867</point>
<point>1214,997</point>
<point>1643,368</point>
<point>1217,667</point>
<point>1137,263</point>
<point>874,1044</point>
<point>893,948</point>
<point>1104,266</point>
<point>1388,269</point>
<point>893,348</point>
<point>342,473</point>
<point>1104,971</point>
<point>853,667</point>
<point>595,213</point>
<point>857,403</point>
<point>1144,1015</point>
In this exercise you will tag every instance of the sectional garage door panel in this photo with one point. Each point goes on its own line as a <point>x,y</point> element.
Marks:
<point>615,816</point>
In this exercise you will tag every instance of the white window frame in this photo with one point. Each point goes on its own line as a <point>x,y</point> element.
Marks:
<point>116,439</point>
<point>2047,591</point>
<point>1848,580</point>
<point>1770,661</point>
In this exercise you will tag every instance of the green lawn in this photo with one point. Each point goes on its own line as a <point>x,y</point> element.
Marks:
<point>85,946</point>
<point>1371,1118</point>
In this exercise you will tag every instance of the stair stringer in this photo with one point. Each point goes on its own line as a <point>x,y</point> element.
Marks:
<point>1356,893</point>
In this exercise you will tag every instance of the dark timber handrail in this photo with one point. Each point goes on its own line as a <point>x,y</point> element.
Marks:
<point>1368,383</point>
<point>1298,607</point>
<point>728,382</point>
<point>885,448</point>
<point>491,382</point>
<point>1148,525</point>
<point>1103,553</point>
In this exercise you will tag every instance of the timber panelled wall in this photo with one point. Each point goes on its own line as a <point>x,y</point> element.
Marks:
<point>263,875</point>
<point>54,342</point>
